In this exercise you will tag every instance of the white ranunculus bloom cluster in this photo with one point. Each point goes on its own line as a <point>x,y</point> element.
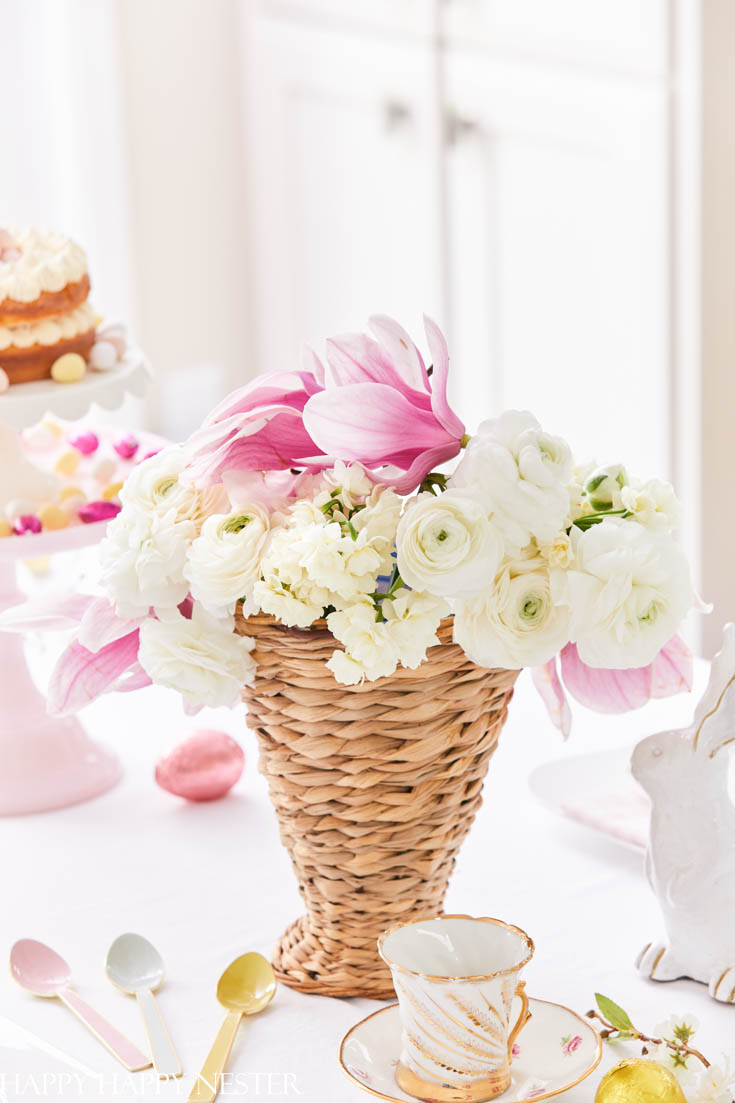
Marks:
<point>524,549</point>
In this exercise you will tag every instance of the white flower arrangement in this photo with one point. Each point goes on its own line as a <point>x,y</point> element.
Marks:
<point>317,495</point>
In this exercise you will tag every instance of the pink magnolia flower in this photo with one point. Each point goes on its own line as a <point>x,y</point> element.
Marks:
<point>259,427</point>
<point>380,407</point>
<point>612,691</point>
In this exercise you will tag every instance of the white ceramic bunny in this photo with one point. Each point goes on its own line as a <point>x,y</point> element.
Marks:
<point>691,855</point>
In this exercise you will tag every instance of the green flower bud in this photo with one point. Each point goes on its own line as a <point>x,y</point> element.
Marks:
<point>604,485</point>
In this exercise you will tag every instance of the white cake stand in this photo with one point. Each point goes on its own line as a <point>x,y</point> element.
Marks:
<point>47,762</point>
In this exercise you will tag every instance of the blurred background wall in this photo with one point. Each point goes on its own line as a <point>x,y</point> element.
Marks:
<point>550,179</point>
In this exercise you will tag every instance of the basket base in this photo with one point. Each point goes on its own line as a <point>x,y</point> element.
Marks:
<point>310,964</point>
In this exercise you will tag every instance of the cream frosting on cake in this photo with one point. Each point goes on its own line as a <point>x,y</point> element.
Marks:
<point>49,331</point>
<point>48,262</point>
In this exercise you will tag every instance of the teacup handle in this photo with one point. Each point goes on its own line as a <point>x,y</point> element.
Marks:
<point>522,1019</point>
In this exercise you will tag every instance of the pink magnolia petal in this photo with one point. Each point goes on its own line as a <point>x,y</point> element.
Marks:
<point>311,364</point>
<point>402,351</point>
<point>80,676</point>
<point>405,482</point>
<point>270,441</point>
<point>357,358</point>
<point>285,388</point>
<point>547,682</point>
<point>672,671</point>
<point>372,423</point>
<point>49,613</point>
<point>135,678</point>
<point>440,379</point>
<point>101,625</point>
<point>604,690</point>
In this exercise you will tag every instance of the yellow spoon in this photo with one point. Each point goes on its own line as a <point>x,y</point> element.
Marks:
<point>245,988</point>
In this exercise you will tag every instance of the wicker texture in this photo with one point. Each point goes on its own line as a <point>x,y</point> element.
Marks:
<point>375,788</point>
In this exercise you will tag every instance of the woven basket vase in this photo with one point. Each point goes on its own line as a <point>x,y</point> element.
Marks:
<point>375,787</point>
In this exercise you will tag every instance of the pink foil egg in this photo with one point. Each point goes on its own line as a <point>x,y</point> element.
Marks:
<point>86,443</point>
<point>91,512</point>
<point>204,767</point>
<point>26,523</point>
<point>126,446</point>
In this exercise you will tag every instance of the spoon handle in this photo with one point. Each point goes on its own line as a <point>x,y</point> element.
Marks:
<point>207,1084</point>
<point>119,1046</point>
<point>165,1061</point>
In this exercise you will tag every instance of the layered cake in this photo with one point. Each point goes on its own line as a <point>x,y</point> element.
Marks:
<point>44,307</point>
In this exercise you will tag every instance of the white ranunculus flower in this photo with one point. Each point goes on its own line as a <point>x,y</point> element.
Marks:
<point>142,560</point>
<point>154,487</point>
<point>202,658</point>
<point>521,476</point>
<point>447,546</point>
<point>627,591</point>
<point>516,622</point>
<point>224,560</point>
<point>654,504</point>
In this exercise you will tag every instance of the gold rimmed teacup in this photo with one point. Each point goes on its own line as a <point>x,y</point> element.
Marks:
<point>456,977</point>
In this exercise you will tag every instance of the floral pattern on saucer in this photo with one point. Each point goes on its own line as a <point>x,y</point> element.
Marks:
<point>557,1050</point>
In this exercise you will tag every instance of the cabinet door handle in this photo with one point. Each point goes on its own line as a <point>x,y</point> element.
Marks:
<point>458,128</point>
<point>396,116</point>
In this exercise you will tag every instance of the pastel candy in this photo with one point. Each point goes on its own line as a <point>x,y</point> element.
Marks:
<point>67,463</point>
<point>39,438</point>
<point>126,447</point>
<point>53,517</point>
<point>111,491</point>
<point>92,512</point>
<point>6,529</point>
<point>103,356</point>
<point>27,523</point>
<point>71,492</point>
<point>104,469</point>
<point>203,767</point>
<point>86,443</point>
<point>4,381</point>
<point>69,368</point>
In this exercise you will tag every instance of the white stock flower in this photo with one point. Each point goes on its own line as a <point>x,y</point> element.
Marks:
<point>447,545</point>
<point>558,552</point>
<point>368,641</point>
<point>224,560</point>
<point>413,618</point>
<point>627,591</point>
<point>653,504</point>
<point>515,623</point>
<point>521,476</point>
<point>202,658</point>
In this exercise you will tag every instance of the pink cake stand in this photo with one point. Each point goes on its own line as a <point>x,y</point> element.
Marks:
<point>47,762</point>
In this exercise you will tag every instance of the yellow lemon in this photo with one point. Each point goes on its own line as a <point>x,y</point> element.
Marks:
<point>638,1081</point>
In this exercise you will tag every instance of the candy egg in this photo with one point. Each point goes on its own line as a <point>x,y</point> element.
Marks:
<point>53,426</point>
<point>6,529</point>
<point>103,356</point>
<point>104,469</point>
<point>91,512</point>
<point>204,767</point>
<point>4,381</point>
<point>69,368</point>
<point>67,463</point>
<point>53,517</point>
<point>111,491</point>
<point>126,447</point>
<point>86,443</point>
<point>39,565</point>
<point>27,523</point>
<point>38,438</point>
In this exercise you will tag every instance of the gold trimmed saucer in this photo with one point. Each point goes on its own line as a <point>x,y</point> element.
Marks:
<point>557,1050</point>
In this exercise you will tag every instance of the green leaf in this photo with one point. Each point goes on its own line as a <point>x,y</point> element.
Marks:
<point>613,1014</point>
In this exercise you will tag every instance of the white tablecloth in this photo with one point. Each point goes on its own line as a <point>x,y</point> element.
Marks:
<point>208,882</point>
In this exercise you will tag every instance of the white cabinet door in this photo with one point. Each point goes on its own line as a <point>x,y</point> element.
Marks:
<point>558,231</point>
<point>346,185</point>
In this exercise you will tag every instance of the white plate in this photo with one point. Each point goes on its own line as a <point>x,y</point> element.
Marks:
<point>556,1050</point>
<point>597,790</point>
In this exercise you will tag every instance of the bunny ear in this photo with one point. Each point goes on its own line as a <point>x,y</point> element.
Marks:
<point>714,719</point>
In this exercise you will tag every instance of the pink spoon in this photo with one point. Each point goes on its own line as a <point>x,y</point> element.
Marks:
<point>40,970</point>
